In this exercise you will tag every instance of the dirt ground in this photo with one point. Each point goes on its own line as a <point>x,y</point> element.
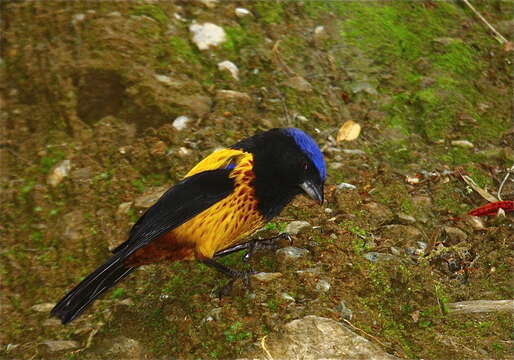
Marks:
<point>93,87</point>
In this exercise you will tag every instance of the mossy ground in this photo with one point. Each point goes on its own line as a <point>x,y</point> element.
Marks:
<point>87,91</point>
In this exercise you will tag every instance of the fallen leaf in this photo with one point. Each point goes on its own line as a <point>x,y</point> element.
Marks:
<point>508,46</point>
<point>349,131</point>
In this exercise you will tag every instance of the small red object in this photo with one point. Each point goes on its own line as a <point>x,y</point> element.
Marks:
<point>492,208</point>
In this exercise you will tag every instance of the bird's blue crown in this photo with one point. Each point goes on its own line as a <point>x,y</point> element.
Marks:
<point>310,148</point>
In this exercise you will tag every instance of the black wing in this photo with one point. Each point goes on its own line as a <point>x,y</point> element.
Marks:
<point>180,203</point>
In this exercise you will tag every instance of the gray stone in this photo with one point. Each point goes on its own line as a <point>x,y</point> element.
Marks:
<point>379,257</point>
<point>150,197</point>
<point>232,95</point>
<point>60,345</point>
<point>180,123</point>
<point>126,348</point>
<point>363,86</point>
<point>455,235</point>
<point>463,143</point>
<point>295,227</point>
<point>314,337</point>
<point>322,286</point>
<point>266,277</point>
<point>345,186</point>
<point>481,306</point>
<point>346,313</point>
<point>230,67</point>
<point>291,253</point>
<point>58,173</point>
<point>242,12</point>
<point>406,219</point>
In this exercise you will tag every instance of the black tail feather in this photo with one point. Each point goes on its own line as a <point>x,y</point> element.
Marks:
<point>100,280</point>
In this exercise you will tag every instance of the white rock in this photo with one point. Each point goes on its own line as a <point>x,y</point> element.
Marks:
<point>346,186</point>
<point>230,67</point>
<point>78,18</point>
<point>184,151</point>
<point>181,122</point>
<point>164,79</point>
<point>291,253</point>
<point>60,345</point>
<point>462,143</point>
<point>323,286</point>
<point>209,3</point>
<point>319,30</point>
<point>44,307</point>
<point>58,173</point>
<point>266,277</point>
<point>242,12</point>
<point>207,35</point>
<point>114,14</point>
<point>232,95</point>
<point>287,297</point>
<point>294,227</point>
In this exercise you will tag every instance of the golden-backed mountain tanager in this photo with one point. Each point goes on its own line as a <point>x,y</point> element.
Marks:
<point>226,197</point>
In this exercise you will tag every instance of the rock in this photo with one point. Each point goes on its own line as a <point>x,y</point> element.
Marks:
<point>207,35</point>
<point>266,277</point>
<point>126,348</point>
<point>126,302</point>
<point>230,67</point>
<point>353,151</point>
<point>158,148</point>
<point>406,219</point>
<point>345,186</point>
<point>322,286</point>
<point>462,143</point>
<point>58,173</point>
<point>298,83</point>
<point>314,337</point>
<point>44,307</point>
<point>166,80</point>
<point>345,312</point>
<point>123,208</point>
<point>379,213</point>
<point>210,4</point>
<point>287,297</point>
<point>295,227</point>
<point>309,273</point>
<point>184,151</point>
<point>242,12</point>
<point>214,314</point>
<point>180,123</point>
<point>379,257</point>
<point>78,18</point>
<point>474,222</point>
<point>422,202</point>
<point>363,86</point>
<point>481,306</point>
<point>336,165</point>
<point>198,104</point>
<point>60,345</point>
<point>232,95</point>
<point>150,197</point>
<point>290,253</point>
<point>455,235</point>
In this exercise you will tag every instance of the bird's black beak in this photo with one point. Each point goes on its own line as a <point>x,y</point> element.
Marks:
<point>314,191</point>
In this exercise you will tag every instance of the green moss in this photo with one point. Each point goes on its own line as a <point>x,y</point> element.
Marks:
<point>182,49</point>
<point>153,11</point>
<point>271,12</point>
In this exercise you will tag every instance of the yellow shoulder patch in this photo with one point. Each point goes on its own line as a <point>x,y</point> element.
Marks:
<point>217,160</point>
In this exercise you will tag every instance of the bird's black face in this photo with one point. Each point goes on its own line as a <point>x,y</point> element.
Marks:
<point>300,175</point>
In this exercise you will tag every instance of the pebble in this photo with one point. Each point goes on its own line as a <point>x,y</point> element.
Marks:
<point>230,67</point>
<point>298,83</point>
<point>123,208</point>
<point>180,123</point>
<point>287,297</point>
<point>164,79</point>
<point>114,14</point>
<point>379,213</point>
<point>455,235</point>
<point>266,277</point>
<point>58,173</point>
<point>207,35</point>
<point>184,151</point>
<point>353,151</point>
<point>345,312</point>
<point>336,165</point>
<point>232,95</point>
<point>322,286</point>
<point>363,86</point>
<point>44,307</point>
<point>406,219</point>
<point>51,322</point>
<point>77,18</point>
<point>378,257</point>
<point>345,186</point>
<point>242,12</point>
<point>209,3</point>
<point>475,222</point>
<point>462,143</point>
<point>291,253</point>
<point>150,197</point>
<point>60,345</point>
<point>295,227</point>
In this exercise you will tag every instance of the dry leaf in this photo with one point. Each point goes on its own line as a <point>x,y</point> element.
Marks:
<point>349,131</point>
<point>508,46</point>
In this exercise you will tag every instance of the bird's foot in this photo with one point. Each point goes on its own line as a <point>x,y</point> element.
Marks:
<point>236,275</point>
<point>265,244</point>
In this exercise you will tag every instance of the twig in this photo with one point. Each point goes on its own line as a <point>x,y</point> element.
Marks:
<point>499,37</point>
<point>276,53</point>
<point>509,171</point>
<point>478,189</point>
<point>263,345</point>
<point>371,336</point>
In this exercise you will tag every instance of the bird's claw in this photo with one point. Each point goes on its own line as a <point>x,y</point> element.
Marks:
<point>243,275</point>
<point>270,243</point>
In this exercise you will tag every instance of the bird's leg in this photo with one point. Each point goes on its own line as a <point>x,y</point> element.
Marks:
<point>233,274</point>
<point>254,245</point>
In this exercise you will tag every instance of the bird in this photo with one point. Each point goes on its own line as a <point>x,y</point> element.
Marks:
<point>221,201</point>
